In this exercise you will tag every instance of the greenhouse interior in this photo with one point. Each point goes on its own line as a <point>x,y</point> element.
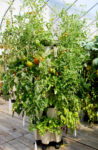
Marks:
<point>48,74</point>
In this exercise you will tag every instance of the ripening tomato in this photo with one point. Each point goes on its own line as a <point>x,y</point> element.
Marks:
<point>33,56</point>
<point>30,13</point>
<point>57,73</point>
<point>14,73</point>
<point>40,31</point>
<point>66,34</point>
<point>29,64</point>
<point>41,58</point>
<point>8,22</point>
<point>34,12</point>
<point>7,36</point>
<point>51,70</point>
<point>36,61</point>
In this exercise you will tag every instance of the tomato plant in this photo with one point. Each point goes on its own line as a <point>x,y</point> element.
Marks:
<point>41,78</point>
<point>89,81</point>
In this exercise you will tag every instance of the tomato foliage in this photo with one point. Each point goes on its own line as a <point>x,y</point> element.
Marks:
<point>45,73</point>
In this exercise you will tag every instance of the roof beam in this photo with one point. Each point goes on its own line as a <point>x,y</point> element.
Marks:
<point>89,10</point>
<point>6,13</point>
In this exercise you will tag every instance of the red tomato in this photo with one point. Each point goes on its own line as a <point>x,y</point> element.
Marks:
<point>36,61</point>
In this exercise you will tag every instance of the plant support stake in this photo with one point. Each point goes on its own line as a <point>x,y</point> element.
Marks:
<point>24,120</point>
<point>10,106</point>
<point>35,145</point>
<point>75,133</point>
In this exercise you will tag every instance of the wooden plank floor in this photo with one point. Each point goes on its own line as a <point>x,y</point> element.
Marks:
<point>13,136</point>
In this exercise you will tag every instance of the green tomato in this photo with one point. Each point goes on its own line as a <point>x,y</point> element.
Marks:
<point>37,42</point>
<point>23,58</point>
<point>29,64</point>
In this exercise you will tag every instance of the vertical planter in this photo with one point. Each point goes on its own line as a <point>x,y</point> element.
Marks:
<point>48,136</point>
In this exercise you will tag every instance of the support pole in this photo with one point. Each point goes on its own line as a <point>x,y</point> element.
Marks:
<point>10,106</point>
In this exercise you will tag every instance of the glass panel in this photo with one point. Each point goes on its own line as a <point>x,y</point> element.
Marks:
<point>55,6</point>
<point>3,8</point>
<point>83,6</point>
<point>60,3</point>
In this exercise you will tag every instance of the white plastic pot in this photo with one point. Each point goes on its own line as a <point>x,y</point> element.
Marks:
<point>48,137</point>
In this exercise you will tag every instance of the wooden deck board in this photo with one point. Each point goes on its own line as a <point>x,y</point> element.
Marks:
<point>87,136</point>
<point>27,141</point>
<point>14,122</point>
<point>73,145</point>
<point>18,145</point>
<point>14,137</point>
<point>7,146</point>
